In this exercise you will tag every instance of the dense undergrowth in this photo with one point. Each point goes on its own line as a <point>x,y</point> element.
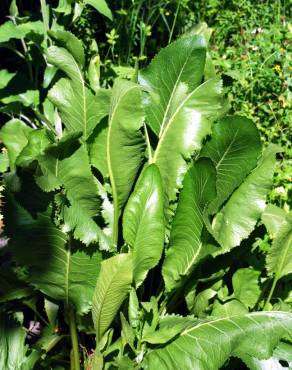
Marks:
<point>142,225</point>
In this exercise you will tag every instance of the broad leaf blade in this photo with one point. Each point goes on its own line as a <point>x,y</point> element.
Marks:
<point>143,222</point>
<point>246,288</point>
<point>125,142</point>
<point>239,215</point>
<point>113,284</point>
<point>101,6</point>
<point>80,109</point>
<point>273,217</point>
<point>54,267</point>
<point>234,149</point>
<point>184,133</point>
<point>186,246</point>
<point>181,64</point>
<point>208,345</point>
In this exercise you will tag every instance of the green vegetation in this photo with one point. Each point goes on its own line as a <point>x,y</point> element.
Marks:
<point>142,225</point>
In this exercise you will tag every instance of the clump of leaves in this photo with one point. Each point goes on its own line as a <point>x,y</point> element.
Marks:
<point>128,210</point>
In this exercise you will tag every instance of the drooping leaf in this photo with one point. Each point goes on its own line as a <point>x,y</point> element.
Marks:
<point>234,149</point>
<point>279,258</point>
<point>5,78</point>
<point>273,217</point>
<point>186,246</point>
<point>143,223</point>
<point>125,142</point>
<point>101,6</point>
<point>14,135</point>
<point>27,98</point>
<point>239,215</point>
<point>55,268</point>
<point>246,288</point>
<point>70,42</point>
<point>80,109</point>
<point>113,284</point>
<point>209,344</point>
<point>97,144</point>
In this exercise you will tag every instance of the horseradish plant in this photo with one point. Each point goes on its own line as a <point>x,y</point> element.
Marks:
<point>133,203</point>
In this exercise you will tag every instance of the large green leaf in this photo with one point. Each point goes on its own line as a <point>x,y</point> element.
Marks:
<point>176,69</point>
<point>178,109</point>
<point>125,142</point>
<point>279,258</point>
<point>143,223</point>
<point>184,133</point>
<point>80,109</point>
<point>14,135</point>
<point>55,267</point>
<point>113,284</point>
<point>186,246</point>
<point>234,149</point>
<point>97,144</point>
<point>239,215</point>
<point>209,344</point>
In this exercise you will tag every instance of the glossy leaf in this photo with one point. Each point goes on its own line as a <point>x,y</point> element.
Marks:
<point>125,142</point>
<point>143,223</point>
<point>176,69</point>
<point>239,215</point>
<point>186,246</point>
<point>279,258</point>
<point>208,345</point>
<point>80,110</point>
<point>113,285</point>
<point>234,149</point>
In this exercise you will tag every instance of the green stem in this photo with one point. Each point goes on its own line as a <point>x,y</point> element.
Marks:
<point>174,22</point>
<point>45,17</point>
<point>75,362</point>
<point>271,293</point>
<point>116,222</point>
<point>148,143</point>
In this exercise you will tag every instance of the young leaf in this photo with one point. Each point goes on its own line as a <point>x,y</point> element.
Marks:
<point>186,246</point>
<point>113,284</point>
<point>143,223</point>
<point>279,258</point>
<point>209,344</point>
<point>239,215</point>
<point>79,108</point>
<point>234,149</point>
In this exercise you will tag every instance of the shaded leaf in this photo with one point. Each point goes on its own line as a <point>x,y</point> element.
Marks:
<point>101,6</point>
<point>246,288</point>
